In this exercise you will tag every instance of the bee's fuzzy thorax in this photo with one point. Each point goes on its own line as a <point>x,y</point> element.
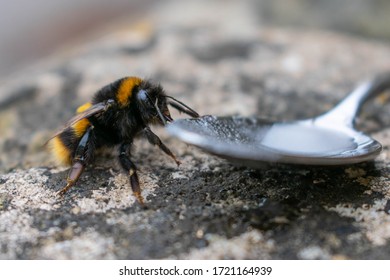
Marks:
<point>126,89</point>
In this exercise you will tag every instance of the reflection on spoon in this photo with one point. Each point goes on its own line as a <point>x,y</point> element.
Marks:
<point>329,139</point>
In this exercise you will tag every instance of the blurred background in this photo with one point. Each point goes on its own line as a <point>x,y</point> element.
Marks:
<point>31,30</point>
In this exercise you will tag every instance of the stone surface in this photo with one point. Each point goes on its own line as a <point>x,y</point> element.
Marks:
<point>368,18</point>
<point>219,61</point>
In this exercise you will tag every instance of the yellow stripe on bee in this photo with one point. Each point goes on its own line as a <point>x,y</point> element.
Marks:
<point>80,127</point>
<point>125,90</point>
<point>83,107</point>
<point>60,151</point>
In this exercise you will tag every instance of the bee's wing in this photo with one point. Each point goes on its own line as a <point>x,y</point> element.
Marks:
<point>91,111</point>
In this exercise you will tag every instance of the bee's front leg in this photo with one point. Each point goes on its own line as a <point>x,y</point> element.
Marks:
<point>154,140</point>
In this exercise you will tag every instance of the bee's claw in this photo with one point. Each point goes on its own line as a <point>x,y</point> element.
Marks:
<point>66,188</point>
<point>140,199</point>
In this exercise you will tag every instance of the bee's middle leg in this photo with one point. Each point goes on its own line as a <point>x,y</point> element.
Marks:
<point>131,169</point>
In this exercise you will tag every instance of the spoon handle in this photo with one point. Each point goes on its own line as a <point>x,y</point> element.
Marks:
<point>346,111</point>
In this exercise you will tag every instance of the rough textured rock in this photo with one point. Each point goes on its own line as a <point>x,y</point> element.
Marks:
<point>206,208</point>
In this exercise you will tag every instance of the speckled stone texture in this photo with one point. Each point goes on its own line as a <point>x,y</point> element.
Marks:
<point>217,58</point>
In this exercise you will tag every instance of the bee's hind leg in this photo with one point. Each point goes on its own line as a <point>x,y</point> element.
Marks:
<point>82,156</point>
<point>73,175</point>
<point>131,169</point>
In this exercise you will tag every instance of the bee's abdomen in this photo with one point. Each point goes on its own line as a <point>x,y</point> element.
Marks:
<point>62,147</point>
<point>64,144</point>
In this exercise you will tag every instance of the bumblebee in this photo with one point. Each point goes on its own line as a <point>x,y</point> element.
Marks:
<point>117,114</point>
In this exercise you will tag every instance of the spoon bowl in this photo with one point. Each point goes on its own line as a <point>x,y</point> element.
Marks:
<point>329,139</point>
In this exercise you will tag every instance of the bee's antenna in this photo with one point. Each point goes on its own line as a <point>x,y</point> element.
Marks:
<point>179,106</point>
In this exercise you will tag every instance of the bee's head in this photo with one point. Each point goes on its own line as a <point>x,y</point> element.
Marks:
<point>152,104</point>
